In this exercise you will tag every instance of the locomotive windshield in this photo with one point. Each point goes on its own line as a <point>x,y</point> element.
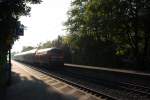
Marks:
<point>56,51</point>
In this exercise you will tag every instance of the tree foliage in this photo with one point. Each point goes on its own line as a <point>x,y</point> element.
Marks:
<point>47,44</point>
<point>120,26</point>
<point>27,48</point>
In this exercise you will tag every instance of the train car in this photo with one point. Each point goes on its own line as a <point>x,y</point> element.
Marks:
<point>48,56</point>
<point>26,57</point>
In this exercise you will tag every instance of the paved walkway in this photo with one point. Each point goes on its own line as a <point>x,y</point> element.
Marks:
<point>26,87</point>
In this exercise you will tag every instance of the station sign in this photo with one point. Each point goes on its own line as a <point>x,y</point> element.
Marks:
<point>19,31</point>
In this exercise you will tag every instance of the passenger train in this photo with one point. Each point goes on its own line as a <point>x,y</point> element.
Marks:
<point>48,56</point>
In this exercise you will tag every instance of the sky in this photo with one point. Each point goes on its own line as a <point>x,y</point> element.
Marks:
<point>44,23</point>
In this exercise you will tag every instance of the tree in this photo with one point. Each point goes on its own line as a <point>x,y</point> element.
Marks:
<point>47,44</point>
<point>10,12</point>
<point>112,21</point>
<point>27,48</point>
<point>58,42</point>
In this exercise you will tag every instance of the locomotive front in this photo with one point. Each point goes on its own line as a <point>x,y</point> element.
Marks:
<point>56,56</point>
<point>50,56</point>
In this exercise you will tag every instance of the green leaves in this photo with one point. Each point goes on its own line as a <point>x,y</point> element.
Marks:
<point>10,11</point>
<point>117,21</point>
<point>27,48</point>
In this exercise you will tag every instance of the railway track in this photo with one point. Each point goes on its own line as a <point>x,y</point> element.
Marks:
<point>108,89</point>
<point>136,88</point>
<point>132,90</point>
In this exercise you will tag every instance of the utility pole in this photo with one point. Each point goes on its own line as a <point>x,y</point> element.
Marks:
<point>9,68</point>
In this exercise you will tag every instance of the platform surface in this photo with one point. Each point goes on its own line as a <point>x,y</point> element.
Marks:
<point>25,86</point>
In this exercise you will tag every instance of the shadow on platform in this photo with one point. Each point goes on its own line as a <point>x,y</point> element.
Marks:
<point>24,88</point>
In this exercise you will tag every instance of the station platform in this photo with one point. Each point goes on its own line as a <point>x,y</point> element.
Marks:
<point>25,86</point>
